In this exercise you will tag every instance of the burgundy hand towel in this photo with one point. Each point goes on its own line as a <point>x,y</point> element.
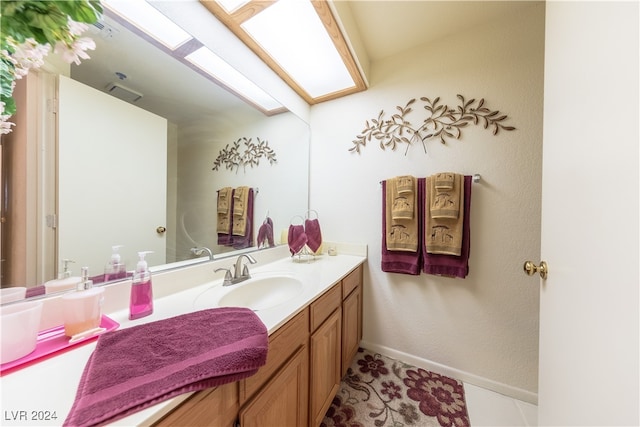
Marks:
<point>314,235</point>
<point>399,261</point>
<point>449,265</point>
<point>297,238</point>
<point>265,234</point>
<point>132,369</point>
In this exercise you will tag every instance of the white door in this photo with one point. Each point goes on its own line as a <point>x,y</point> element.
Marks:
<point>589,303</point>
<point>112,179</point>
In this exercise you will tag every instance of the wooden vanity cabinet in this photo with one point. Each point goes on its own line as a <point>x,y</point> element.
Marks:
<point>307,359</point>
<point>278,394</point>
<point>351,317</point>
<point>325,345</point>
<point>212,407</point>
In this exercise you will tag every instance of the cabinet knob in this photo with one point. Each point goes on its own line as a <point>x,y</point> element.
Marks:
<point>161,230</point>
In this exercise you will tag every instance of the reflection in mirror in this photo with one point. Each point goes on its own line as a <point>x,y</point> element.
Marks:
<point>99,174</point>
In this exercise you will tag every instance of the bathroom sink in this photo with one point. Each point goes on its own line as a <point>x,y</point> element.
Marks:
<point>262,292</point>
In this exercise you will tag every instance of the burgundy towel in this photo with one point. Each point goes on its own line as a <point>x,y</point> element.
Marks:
<point>35,291</point>
<point>314,235</point>
<point>132,369</point>
<point>241,242</point>
<point>297,238</point>
<point>265,234</point>
<point>449,265</point>
<point>399,261</point>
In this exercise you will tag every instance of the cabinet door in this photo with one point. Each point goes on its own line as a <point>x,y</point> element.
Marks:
<point>351,327</point>
<point>325,375</point>
<point>283,401</point>
<point>215,407</point>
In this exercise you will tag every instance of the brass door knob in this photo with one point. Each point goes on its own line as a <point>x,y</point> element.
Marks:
<point>160,230</point>
<point>530,268</point>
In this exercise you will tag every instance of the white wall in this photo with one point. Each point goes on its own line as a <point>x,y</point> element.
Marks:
<point>483,329</point>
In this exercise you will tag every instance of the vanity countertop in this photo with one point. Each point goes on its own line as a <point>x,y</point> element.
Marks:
<point>42,394</point>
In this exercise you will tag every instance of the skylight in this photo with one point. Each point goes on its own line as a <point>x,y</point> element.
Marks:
<point>294,36</point>
<point>143,18</point>
<point>150,20</point>
<point>213,65</point>
<point>300,40</point>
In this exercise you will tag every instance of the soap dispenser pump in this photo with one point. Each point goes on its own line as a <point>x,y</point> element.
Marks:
<point>141,303</point>
<point>115,268</point>
<point>64,281</point>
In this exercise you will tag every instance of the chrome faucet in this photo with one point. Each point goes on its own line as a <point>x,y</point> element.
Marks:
<point>200,251</point>
<point>240,271</point>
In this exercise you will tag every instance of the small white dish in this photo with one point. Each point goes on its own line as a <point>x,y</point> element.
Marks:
<point>20,325</point>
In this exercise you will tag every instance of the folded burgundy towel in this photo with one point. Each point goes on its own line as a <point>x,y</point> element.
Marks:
<point>314,235</point>
<point>132,369</point>
<point>297,238</point>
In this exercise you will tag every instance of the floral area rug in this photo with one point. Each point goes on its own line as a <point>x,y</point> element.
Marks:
<point>379,391</point>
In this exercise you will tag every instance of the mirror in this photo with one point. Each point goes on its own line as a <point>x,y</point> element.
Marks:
<point>202,119</point>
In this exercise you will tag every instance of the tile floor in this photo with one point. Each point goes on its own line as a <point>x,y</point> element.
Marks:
<point>487,408</point>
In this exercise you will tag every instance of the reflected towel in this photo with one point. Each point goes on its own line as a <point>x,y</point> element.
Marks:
<point>296,238</point>
<point>224,222</point>
<point>243,238</point>
<point>401,234</point>
<point>240,200</point>
<point>397,261</point>
<point>132,369</point>
<point>240,210</point>
<point>314,235</point>
<point>445,203</point>
<point>224,200</point>
<point>450,265</point>
<point>443,235</point>
<point>265,234</point>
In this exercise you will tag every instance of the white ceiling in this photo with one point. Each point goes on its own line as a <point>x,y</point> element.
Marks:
<point>173,90</point>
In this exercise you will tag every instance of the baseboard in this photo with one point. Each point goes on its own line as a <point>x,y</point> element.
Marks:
<point>505,389</point>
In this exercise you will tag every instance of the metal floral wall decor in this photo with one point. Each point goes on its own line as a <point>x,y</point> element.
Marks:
<point>442,122</point>
<point>234,156</point>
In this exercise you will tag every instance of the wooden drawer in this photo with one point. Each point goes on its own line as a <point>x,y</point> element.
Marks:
<point>351,281</point>
<point>282,344</point>
<point>322,308</point>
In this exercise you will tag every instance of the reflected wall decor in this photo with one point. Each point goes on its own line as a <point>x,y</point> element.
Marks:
<point>232,157</point>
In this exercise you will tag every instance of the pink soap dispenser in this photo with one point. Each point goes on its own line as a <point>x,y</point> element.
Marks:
<point>141,290</point>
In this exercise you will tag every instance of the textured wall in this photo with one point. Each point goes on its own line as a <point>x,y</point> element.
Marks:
<point>484,329</point>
